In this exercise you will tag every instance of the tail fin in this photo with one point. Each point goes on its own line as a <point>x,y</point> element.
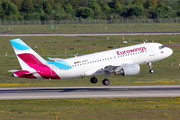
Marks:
<point>32,64</point>
<point>25,54</point>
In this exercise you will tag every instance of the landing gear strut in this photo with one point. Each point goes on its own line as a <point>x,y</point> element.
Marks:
<point>150,67</point>
<point>106,81</point>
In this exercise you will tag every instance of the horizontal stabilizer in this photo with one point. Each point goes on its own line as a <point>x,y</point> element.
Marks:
<point>54,59</point>
<point>13,71</point>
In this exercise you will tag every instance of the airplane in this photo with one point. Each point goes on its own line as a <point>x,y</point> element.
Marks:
<point>124,61</point>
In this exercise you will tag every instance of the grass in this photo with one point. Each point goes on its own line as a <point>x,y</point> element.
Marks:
<point>92,109</point>
<point>88,109</point>
<point>165,73</point>
<point>87,28</point>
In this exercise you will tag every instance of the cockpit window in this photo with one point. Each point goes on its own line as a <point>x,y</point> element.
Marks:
<point>161,47</point>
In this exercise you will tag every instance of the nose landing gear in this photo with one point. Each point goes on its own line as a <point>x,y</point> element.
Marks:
<point>150,67</point>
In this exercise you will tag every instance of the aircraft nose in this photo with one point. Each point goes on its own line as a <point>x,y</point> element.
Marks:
<point>169,51</point>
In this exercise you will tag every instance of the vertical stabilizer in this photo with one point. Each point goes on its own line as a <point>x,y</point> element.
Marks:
<point>32,64</point>
<point>25,54</point>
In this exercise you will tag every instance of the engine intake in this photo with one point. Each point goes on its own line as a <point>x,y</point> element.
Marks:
<point>129,70</point>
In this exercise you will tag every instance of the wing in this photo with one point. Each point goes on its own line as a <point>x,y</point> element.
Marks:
<point>118,65</point>
<point>111,68</point>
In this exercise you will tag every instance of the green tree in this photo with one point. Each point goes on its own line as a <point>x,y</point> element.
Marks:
<point>106,9</point>
<point>163,11</point>
<point>151,13</point>
<point>31,9</point>
<point>118,8</point>
<point>68,8</point>
<point>39,2</point>
<point>26,5</point>
<point>2,13</point>
<point>10,10</point>
<point>74,3</point>
<point>95,7</point>
<point>136,10</point>
<point>118,1</point>
<point>51,2</point>
<point>83,3</point>
<point>48,8</point>
<point>85,12</point>
<point>37,8</point>
<point>133,10</point>
<point>152,3</point>
<point>178,13</point>
<point>57,12</point>
<point>61,2</point>
<point>27,16</point>
<point>139,1</point>
<point>17,3</point>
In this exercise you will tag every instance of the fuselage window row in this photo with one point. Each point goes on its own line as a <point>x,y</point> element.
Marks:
<point>106,59</point>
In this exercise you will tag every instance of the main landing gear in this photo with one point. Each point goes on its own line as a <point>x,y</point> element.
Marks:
<point>104,82</point>
<point>150,67</point>
<point>93,80</point>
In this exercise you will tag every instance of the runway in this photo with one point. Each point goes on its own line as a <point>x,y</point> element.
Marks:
<point>89,34</point>
<point>89,92</point>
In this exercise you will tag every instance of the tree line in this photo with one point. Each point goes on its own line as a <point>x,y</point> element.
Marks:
<point>11,10</point>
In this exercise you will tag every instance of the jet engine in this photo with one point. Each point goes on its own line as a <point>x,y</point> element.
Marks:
<point>129,70</point>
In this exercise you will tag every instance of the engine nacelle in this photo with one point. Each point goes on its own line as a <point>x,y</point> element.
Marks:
<point>128,70</point>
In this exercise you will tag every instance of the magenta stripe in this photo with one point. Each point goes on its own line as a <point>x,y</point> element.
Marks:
<point>43,70</point>
<point>24,74</point>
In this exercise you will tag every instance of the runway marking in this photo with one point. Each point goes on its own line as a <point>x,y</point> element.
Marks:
<point>89,92</point>
<point>91,96</point>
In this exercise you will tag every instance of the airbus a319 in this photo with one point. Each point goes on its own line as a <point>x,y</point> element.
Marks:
<point>124,61</point>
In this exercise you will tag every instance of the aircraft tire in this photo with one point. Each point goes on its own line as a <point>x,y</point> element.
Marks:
<point>151,71</point>
<point>93,80</point>
<point>105,82</point>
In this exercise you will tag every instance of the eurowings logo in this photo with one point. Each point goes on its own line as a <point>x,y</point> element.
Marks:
<point>140,49</point>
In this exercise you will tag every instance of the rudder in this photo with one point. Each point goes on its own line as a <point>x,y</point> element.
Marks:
<point>25,54</point>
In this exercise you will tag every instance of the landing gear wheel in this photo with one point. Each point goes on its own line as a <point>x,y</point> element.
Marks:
<point>93,80</point>
<point>105,82</point>
<point>151,71</point>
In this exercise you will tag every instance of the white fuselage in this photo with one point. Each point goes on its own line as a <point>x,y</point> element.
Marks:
<point>93,64</point>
